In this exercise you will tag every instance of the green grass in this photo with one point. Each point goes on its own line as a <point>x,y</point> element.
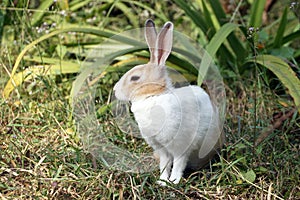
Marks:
<point>43,157</point>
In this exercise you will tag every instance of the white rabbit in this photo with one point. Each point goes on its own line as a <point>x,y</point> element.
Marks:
<point>181,124</point>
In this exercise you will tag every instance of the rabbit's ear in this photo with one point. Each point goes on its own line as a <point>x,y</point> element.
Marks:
<point>151,36</point>
<point>164,43</point>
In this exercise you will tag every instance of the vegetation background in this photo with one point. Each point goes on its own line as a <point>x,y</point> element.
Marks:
<point>255,43</point>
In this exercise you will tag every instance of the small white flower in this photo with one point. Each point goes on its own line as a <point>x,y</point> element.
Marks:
<point>251,29</point>
<point>63,13</point>
<point>294,5</point>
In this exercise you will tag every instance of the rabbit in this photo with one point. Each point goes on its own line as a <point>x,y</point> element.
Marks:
<point>180,124</point>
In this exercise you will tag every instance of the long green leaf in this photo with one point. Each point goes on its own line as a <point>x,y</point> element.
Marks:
<point>76,5</point>
<point>145,6</point>
<point>208,18</point>
<point>213,47</point>
<point>51,61</point>
<point>280,31</point>
<point>284,72</point>
<point>235,43</point>
<point>256,13</point>
<point>220,37</point>
<point>129,13</point>
<point>218,11</point>
<point>203,20</point>
<point>195,15</point>
<point>291,37</point>
<point>37,16</point>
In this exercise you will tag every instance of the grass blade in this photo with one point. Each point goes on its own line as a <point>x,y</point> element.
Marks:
<point>129,13</point>
<point>37,16</point>
<point>63,4</point>
<point>220,37</point>
<point>195,16</point>
<point>145,6</point>
<point>235,43</point>
<point>2,18</point>
<point>256,13</point>
<point>218,11</point>
<point>208,19</point>
<point>280,32</point>
<point>213,47</point>
<point>291,37</point>
<point>74,6</point>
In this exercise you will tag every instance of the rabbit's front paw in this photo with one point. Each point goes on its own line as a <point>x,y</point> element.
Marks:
<point>165,182</point>
<point>161,182</point>
<point>176,180</point>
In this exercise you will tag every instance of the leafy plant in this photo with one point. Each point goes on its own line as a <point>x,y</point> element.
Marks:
<point>232,54</point>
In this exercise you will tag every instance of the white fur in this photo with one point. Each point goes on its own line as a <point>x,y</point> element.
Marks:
<point>175,124</point>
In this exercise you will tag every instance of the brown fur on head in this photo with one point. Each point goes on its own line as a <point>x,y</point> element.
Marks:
<point>152,78</point>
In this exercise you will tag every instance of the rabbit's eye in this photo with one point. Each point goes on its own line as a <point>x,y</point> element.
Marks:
<point>134,78</point>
